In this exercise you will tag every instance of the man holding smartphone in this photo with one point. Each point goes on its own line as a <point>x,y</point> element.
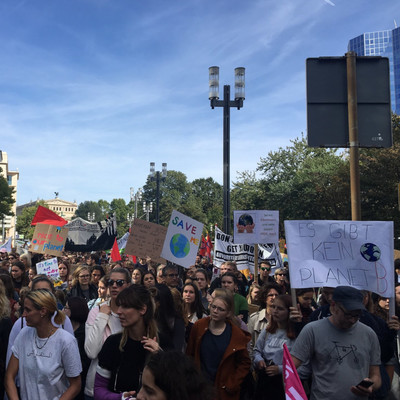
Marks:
<point>344,354</point>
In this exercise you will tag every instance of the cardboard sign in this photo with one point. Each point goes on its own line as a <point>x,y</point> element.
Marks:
<point>341,253</point>
<point>49,239</point>
<point>256,226</point>
<point>243,254</point>
<point>146,239</point>
<point>49,268</point>
<point>182,240</point>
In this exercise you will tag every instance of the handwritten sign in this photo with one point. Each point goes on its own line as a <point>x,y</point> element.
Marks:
<point>49,267</point>
<point>182,239</point>
<point>146,239</point>
<point>49,239</point>
<point>257,226</point>
<point>336,253</point>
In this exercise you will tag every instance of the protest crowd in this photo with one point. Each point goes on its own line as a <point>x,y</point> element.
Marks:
<point>126,329</point>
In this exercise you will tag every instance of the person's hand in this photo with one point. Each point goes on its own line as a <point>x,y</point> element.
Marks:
<point>394,323</point>
<point>261,364</point>
<point>150,344</point>
<point>272,370</point>
<point>362,391</point>
<point>295,314</point>
<point>105,309</point>
<point>129,395</point>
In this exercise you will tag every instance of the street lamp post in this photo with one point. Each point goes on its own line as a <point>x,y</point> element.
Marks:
<point>91,216</point>
<point>226,103</point>
<point>136,197</point>
<point>147,208</point>
<point>158,176</point>
<point>130,218</point>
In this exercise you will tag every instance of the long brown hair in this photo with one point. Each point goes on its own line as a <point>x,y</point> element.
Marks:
<point>273,325</point>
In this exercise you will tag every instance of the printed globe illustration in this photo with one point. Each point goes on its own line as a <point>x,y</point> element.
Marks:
<point>370,252</point>
<point>179,245</point>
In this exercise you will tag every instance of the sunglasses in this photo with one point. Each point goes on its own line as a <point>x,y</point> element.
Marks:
<point>265,269</point>
<point>118,282</point>
<point>281,274</point>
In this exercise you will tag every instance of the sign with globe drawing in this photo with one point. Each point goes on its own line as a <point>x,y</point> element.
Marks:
<point>337,253</point>
<point>182,240</point>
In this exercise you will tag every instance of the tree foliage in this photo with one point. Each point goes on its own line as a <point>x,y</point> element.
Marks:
<point>25,219</point>
<point>6,197</point>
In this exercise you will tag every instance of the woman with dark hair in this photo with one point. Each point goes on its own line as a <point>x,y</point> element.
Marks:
<point>230,282</point>
<point>219,347</point>
<point>11,294</point>
<point>45,357</point>
<point>63,271</point>
<point>123,355</point>
<point>77,311</point>
<point>81,286</point>
<point>97,273</point>
<point>18,275</point>
<point>148,279</point>
<point>102,322</point>
<point>170,375</point>
<point>203,284</point>
<point>268,351</point>
<point>137,276</point>
<point>305,298</point>
<point>193,306</point>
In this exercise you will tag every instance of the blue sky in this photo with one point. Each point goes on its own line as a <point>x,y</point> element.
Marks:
<point>92,91</point>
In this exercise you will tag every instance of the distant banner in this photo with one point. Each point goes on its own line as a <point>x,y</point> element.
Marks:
<point>49,239</point>
<point>243,254</point>
<point>6,246</point>
<point>335,253</point>
<point>85,236</point>
<point>122,241</point>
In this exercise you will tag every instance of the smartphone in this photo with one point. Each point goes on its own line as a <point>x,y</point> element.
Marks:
<point>365,384</point>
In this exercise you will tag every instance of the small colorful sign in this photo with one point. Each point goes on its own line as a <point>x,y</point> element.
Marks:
<point>182,240</point>
<point>49,239</point>
<point>49,267</point>
<point>256,226</point>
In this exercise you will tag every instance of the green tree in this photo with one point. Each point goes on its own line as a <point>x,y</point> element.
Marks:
<point>25,219</point>
<point>121,210</point>
<point>6,197</point>
<point>105,208</point>
<point>89,207</point>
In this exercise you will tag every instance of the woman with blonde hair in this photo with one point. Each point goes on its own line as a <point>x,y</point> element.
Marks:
<point>81,286</point>
<point>123,356</point>
<point>219,347</point>
<point>45,357</point>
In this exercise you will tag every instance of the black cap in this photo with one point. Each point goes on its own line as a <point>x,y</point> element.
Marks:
<point>351,298</point>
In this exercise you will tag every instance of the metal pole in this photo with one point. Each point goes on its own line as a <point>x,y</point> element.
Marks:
<point>158,197</point>
<point>226,160</point>
<point>256,263</point>
<point>353,136</point>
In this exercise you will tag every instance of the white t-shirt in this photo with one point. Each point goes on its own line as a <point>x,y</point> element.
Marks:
<point>44,367</point>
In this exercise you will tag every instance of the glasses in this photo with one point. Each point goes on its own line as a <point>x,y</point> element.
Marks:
<point>84,276</point>
<point>280,274</point>
<point>265,269</point>
<point>118,282</point>
<point>352,314</point>
<point>216,308</point>
<point>173,275</point>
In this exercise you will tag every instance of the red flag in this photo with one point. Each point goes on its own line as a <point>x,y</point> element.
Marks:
<point>45,216</point>
<point>209,246</point>
<point>293,387</point>
<point>203,246</point>
<point>115,256</point>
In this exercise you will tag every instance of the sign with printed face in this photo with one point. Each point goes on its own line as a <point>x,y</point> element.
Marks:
<point>256,226</point>
<point>49,268</point>
<point>49,239</point>
<point>341,253</point>
<point>182,240</point>
<point>146,240</point>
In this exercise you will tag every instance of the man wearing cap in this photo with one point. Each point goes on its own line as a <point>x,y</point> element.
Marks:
<point>341,350</point>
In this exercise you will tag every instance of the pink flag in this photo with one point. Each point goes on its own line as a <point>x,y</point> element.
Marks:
<point>293,387</point>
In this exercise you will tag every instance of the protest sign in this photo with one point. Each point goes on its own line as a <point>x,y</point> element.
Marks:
<point>88,236</point>
<point>182,240</point>
<point>146,239</point>
<point>49,267</point>
<point>243,254</point>
<point>49,239</point>
<point>336,253</point>
<point>257,226</point>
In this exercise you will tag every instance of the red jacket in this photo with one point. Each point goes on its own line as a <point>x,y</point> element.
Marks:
<point>235,363</point>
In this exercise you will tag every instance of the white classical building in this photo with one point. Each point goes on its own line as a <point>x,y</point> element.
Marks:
<point>7,226</point>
